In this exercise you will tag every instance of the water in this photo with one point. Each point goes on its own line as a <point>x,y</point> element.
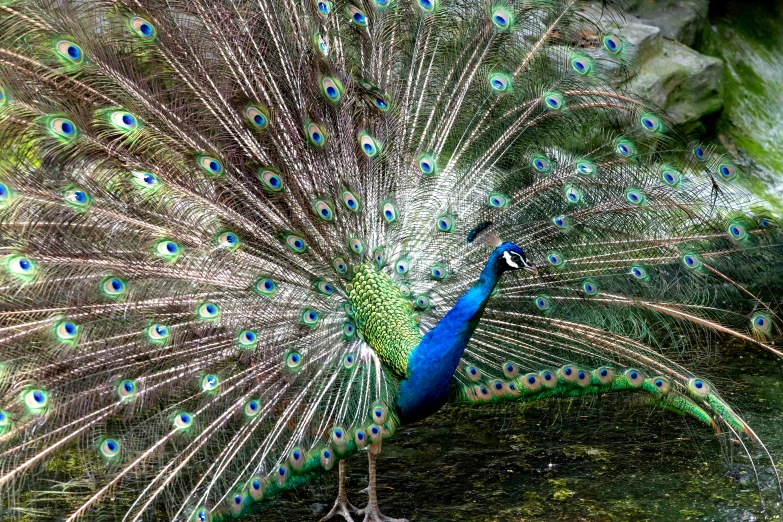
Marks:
<point>608,459</point>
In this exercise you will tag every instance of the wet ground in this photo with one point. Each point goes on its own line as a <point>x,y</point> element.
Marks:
<point>604,459</point>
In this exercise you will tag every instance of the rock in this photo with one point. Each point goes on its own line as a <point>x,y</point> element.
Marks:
<point>686,84</point>
<point>644,40</point>
<point>680,23</point>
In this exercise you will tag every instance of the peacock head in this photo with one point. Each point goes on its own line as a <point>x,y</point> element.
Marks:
<point>509,256</point>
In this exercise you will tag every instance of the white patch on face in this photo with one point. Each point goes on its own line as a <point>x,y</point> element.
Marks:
<point>510,263</point>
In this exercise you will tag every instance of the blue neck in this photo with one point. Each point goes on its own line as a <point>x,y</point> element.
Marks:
<point>432,363</point>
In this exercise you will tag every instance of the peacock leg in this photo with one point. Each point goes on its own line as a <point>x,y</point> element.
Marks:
<point>371,511</point>
<point>342,506</point>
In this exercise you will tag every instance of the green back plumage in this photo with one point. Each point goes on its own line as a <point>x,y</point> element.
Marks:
<point>188,186</point>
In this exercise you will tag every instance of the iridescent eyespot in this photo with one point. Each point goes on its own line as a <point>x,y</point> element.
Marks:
<point>356,15</point>
<point>323,210</point>
<point>555,258</point>
<point>639,272</point>
<point>327,458</point>
<point>510,370</point>
<point>605,375</point>
<point>581,64</point>
<point>77,198</point>
<point>379,256</point>
<point>634,377</point>
<point>350,200</point>
<point>247,339</point>
<point>331,88</point>
<point>209,383</point>
<point>427,5</point>
<point>123,120</point>
<point>698,387</point>
<point>473,373</point>
<point>625,148</point>
<point>271,179</point>
<point>208,311</point>
<point>70,51</point>
<point>405,290</point>
<point>316,135</point>
<point>356,245</point>
<point>201,515</point>
<point>360,438</point>
<point>482,393</point>
<point>323,287</point>
<point>737,231</point>
<point>542,302</point>
<point>36,399</point>
<point>349,359</point>
<point>321,43</point>
<point>541,164</point>
<point>498,200</point>
<point>439,272</point>
<point>402,267</point>
<point>157,333</point>
<point>378,413</point>
<point>427,165</point>
<point>670,176</point>
<point>761,323</point>
<point>295,243</point>
<point>691,261</point>
<point>256,488</point>
<point>727,170</point>
<point>281,474</point>
<point>113,287</point>
<point>766,222</point>
<point>590,288</point>
<point>2,97</point>
<point>293,361</point>
<point>5,193</point>
<point>142,27</point>
<point>338,436</point>
<point>699,152</point>
<point>183,420</point>
<point>257,116</point>
<point>126,389</point>
<point>252,408</point>
<point>500,82</point>
<point>422,302</point>
<point>634,196</point>
<point>211,166</point>
<point>572,194</point>
<point>444,223</point>
<point>324,6</point>
<point>612,43</point>
<point>21,267</point>
<point>585,167</point>
<point>369,145</point>
<point>310,317</point>
<point>553,101</point>
<point>502,18</point>
<point>145,181</point>
<point>63,128</point>
<point>109,448</point>
<point>381,102</point>
<point>650,122</point>
<point>66,331</point>
<point>659,385</point>
<point>168,250</point>
<point>349,330</point>
<point>237,503</point>
<point>562,222</point>
<point>548,379</point>
<point>389,211</point>
<point>265,287</point>
<point>339,265</point>
<point>227,240</point>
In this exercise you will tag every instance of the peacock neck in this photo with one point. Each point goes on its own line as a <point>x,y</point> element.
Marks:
<point>433,362</point>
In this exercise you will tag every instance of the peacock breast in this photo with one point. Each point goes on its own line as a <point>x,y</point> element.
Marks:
<point>384,317</point>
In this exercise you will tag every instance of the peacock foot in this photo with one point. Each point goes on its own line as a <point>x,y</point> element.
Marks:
<point>342,506</point>
<point>373,514</point>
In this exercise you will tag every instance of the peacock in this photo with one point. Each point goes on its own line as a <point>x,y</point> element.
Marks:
<point>244,240</point>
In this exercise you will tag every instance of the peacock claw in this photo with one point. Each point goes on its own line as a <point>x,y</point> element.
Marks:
<point>374,515</point>
<point>343,507</point>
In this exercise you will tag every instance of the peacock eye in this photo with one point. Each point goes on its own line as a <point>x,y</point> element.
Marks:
<point>761,323</point>
<point>422,302</point>
<point>321,44</point>
<point>228,240</point>
<point>670,176</point>
<point>348,332</point>
<point>247,338</point>
<point>439,272</point>
<point>691,261</point>
<point>427,165</point>
<point>590,288</point>
<point>581,64</point>
<point>21,266</point>
<point>639,272</point>
<point>324,6</point>
<point>427,5</point>
<point>158,332</point>
<point>142,28</point>
<point>498,200</point>
<point>543,303</point>
<point>183,421</point>
<point>208,311</point>
<point>541,164</point>
<point>350,200</point>
<point>402,266</point>
<point>257,116</point>
<point>36,399</point>
<point>356,15</point>
<point>145,181</point>
<point>71,52</point>
<point>271,180</point>
<point>295,243</point>
<point>634,377</point>
<point>573,195</point>
<point>727,171</point>
<point>553,101</point>
<point>555,258</point>
<point>332,89</point>
<point>210,165</point>
<point>625,148</point>
<point>369,145</point>
<point>502,18</point>
<point>612,43</point>
<point>586,168</point>
<point>339,265</point>
<point>698,387</point>
<point>126,389</point>
<point>562,222</point>
<point>63,128</point>
<point>650,122</point>
<point>252,408</point>
<point>109,448</point>
<point>310,317</point>
<point>256,488</point>
<point>445,224</point>
<point>113,287</point>
<point>510,370</point>
<point>389,211</point>
<point>634,196</point>
<point>316,135</point>
<point>356,245</point>
<point>265,287</point>
<point>66,331</point>
<point>323,210</point>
